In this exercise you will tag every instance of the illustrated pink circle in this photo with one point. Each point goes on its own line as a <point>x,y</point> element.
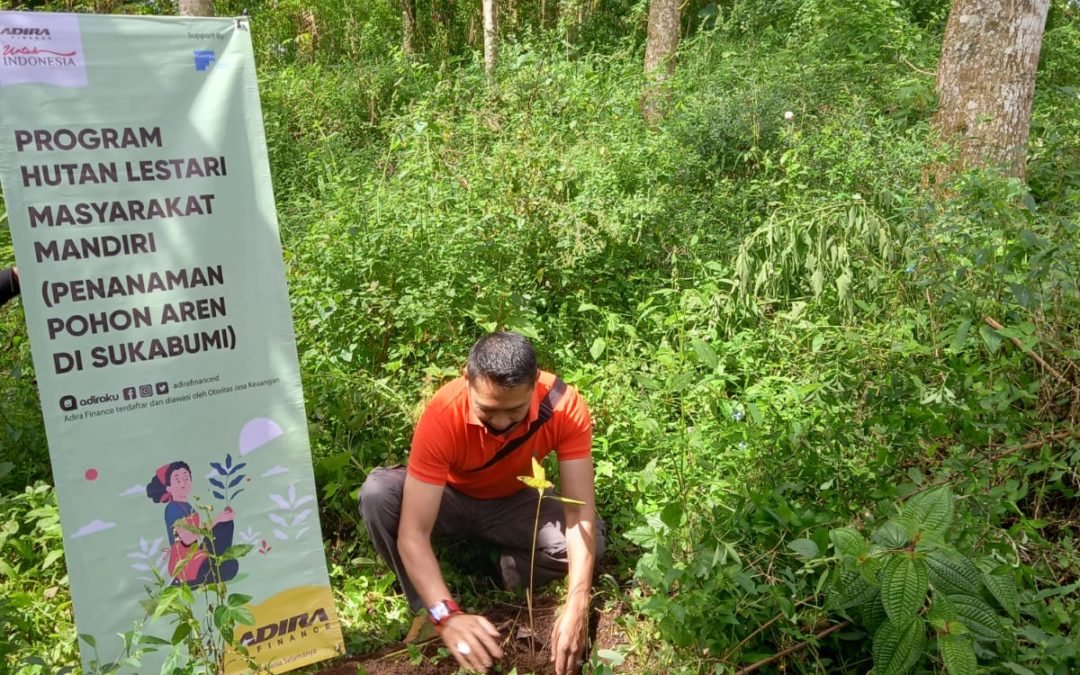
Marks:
<point>91,474</point>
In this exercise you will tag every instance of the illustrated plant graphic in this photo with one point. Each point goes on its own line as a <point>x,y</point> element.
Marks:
<point>539,482</point>
<point>229,477</point>
<point>294,516</point>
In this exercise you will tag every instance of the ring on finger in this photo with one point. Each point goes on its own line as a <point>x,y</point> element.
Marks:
<point>464,648</point>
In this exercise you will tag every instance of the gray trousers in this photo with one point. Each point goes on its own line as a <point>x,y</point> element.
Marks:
<point>506,522</point>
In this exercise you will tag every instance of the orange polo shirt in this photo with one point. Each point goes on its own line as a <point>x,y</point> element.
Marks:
<point>449,441</point>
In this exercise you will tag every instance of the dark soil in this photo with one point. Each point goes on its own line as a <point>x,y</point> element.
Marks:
<point>518,651</point>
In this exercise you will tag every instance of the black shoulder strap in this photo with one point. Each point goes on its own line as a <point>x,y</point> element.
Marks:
<point>547,409</point>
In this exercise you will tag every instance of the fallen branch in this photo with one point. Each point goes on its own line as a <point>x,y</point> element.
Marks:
<point>917,69</point>
<point>1035,357</point>
<point>1030,445</point>
<point>760,628</point>
<point>794,648</point>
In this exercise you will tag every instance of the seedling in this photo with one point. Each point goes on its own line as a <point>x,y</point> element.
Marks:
<point>539,482</point>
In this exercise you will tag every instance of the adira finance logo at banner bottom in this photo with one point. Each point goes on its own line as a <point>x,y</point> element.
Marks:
<point>135,174</point>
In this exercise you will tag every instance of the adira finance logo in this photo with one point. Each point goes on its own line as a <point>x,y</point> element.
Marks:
<point>41,48</point>
<point>26,33</point>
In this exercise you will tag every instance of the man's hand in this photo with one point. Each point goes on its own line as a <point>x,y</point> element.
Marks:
<point>568,637</point>
<point>472,640</point>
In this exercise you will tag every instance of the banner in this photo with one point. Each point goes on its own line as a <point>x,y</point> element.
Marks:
<point>135,173</point>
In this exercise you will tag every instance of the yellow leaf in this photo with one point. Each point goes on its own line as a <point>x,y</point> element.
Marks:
<point>566,500</point>
<point>534,483</point>
<point>538,471</point>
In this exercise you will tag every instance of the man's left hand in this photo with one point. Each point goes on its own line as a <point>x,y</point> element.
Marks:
<point>568,637</point>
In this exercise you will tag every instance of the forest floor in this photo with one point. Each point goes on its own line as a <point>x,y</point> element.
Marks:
<point>519,652</point>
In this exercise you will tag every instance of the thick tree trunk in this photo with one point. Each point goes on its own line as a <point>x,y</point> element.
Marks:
<point>986,79</point>
<point>408,26</point>
<point>660,49</point>
<point>491,37</point>
<point>196,7</point>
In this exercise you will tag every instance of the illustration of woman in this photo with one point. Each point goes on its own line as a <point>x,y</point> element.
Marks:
<point>191,560</point>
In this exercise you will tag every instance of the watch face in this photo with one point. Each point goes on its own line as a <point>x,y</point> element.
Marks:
<point>439,611</point>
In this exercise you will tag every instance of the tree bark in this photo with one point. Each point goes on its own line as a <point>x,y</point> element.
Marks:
<point>986,79</point>
<point>196,7</point>
<point>408,26</point>
<point>491,37</point>
<point>660,49</point>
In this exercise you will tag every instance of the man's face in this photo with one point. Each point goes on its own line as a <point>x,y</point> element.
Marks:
<point>498,408</point>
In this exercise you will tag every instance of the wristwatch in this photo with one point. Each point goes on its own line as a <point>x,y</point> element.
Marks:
<point>442,610</point>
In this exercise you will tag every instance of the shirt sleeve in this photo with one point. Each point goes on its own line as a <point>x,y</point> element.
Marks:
<point>432,445</point>
<point>575,429</point>
<point>9,285</point>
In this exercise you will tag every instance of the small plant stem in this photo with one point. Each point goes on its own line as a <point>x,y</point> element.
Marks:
<point>532,569</point>
<point>794,648</point>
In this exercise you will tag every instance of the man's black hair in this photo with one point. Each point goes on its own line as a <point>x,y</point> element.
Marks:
<point>506,359</point>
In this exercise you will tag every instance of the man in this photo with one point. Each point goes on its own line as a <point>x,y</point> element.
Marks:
<point>9,284</point>
<point>476,436</point>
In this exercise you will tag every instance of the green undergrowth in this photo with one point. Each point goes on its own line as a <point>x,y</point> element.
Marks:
<point>783,325</point>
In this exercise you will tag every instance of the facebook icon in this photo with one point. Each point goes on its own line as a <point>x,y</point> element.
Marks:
<point>204,58</point>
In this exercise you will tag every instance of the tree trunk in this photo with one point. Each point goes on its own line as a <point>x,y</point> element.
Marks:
<point>408,25</point>
<point>659,58</point>
<point>491,37</point>
<point>986,79</point>
<point>196,7</point>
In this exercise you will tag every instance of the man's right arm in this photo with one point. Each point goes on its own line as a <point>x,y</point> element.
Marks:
<point>419,509</point>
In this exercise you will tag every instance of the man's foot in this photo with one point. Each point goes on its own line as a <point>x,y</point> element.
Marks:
<point>509,576</point>
<point>421,630</point>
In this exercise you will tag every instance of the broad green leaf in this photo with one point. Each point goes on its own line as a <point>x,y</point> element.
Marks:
<point>671,515</point>
<point>850,589</point>
<point>705,352</point>
<point>898,647</point>
<point>51,557</point>
<point>990,337</point>
<point>243,616</point>
<point>236,551</point>
<point>891,535</point>
<point>1003,588</point>
<point>597,348</point>
<point>805,549</point>
<point>903,587</point>
<point>978,616</point>
<point>872,614</point>
<point>611,656</point>
<point>88,639</point>
<point>960,336</point>
<point>951,572</point>
<point>941,609</point>
<point>849,542</point>
<point>238,599</point>
<point>181,633</point>
<point>958,654</point>
<point>931,510</point>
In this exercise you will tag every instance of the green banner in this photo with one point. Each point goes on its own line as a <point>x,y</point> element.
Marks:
<point>135,171</point>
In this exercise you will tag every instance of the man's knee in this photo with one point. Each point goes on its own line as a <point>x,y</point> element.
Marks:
<point>380,495</point>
